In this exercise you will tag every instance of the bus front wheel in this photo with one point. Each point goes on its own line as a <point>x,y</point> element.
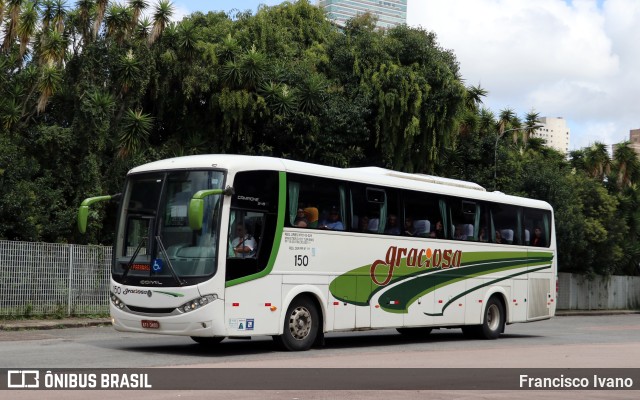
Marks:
<point>301,326</point>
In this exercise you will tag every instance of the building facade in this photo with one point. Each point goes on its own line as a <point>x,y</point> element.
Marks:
<point>390,13</point>
<point>555,132</point>
<point>634,138</point>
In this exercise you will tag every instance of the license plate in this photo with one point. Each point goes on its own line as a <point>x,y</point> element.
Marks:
<point>150,324</point>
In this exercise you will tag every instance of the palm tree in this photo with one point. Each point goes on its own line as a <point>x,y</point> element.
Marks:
<point>59,14</point>
<point>161,18</point>
<point>530,120</point>
<point>101,8</point>
<point>508,118</point>
<point>143,28</point>
<point>2,6</point>
<point>47,14</point>
<point>128,69</point>
<point>11,29</point>
<point>187,38</point>
<point>487,121</point>
<point>597,161</point>
<point>138,6</point>
<point>118,22</point>
<point>100,103</point>
<point>135,132</point>
<point>626,165</point>
<point>27,26</point>
<point>84,8</point>
<point>52,48</point>
<point>49,83</point>
<point>253,66</point>
<point>473,97</point>
<point>228,49</point>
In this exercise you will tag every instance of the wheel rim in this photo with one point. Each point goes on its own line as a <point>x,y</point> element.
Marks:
<point>493,317</point>
<point>300,323</point>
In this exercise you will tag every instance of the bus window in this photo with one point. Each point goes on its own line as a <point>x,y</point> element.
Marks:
<point>536,227</point>
<point>318,197</point>
<point>423,209</point>
<point>506,224</point>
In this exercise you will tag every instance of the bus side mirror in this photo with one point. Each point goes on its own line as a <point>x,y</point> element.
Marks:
<point>83,211</point>
<point>196,205</point>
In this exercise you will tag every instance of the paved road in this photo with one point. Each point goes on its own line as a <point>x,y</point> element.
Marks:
<point>565,342</point>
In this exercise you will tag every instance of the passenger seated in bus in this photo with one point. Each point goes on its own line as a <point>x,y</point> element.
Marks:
<point>392,227</point>
<point>301,219</point>
<point>438,233</point>
<point>482,235</point>
<point>363,226</point>
<point>459,234</point>
<point>244,245</point>
<point>537,240</point>
<point>312,217</point>
<point>333,223</point>
<point>498,237</point>
<point>409,229</point>
<point>422,227</point>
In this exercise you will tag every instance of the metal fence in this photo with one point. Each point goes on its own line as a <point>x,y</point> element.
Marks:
<point>53,279</point>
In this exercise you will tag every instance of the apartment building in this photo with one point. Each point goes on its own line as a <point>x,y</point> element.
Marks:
<point>390,13</point>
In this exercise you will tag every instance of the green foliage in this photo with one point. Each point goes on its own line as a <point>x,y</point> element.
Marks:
<point>88,92</point>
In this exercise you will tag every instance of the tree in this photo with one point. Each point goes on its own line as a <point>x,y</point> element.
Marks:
<point>625,166</point>
<point>161,18</point>
<point>27,26</point>
<point>597,161</point>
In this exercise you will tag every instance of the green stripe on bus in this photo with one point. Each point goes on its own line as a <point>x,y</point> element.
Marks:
<point>466,292</point>
<point>351,287</point>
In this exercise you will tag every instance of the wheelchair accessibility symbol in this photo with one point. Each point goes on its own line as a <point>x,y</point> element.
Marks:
<point>157,265</point>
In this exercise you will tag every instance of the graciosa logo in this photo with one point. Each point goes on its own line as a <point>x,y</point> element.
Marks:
<point>414,258</point>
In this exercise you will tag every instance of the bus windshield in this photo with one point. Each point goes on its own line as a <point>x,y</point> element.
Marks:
<point>155,239</point>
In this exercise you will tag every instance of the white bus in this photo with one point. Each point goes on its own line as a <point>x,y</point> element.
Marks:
<point>216,246</point>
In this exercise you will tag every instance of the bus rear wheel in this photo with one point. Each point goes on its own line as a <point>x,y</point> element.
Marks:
<point>301,326</point>
<point>493,320</point>
<point>207,341</point>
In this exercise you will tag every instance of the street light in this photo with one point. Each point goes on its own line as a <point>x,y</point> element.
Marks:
<point>495,153</point>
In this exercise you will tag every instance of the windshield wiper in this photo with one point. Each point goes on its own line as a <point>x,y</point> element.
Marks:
<point>166,256</point>
<point>133,259</point>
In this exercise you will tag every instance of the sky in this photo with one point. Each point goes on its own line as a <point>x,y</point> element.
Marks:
<point>575,59</point>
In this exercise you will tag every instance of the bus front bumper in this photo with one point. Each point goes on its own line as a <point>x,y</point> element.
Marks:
<point>199,322</point>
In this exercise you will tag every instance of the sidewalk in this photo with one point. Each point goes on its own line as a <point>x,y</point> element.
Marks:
<point>23,324</point>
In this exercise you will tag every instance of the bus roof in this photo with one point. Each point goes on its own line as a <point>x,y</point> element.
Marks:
<point>371,175</point>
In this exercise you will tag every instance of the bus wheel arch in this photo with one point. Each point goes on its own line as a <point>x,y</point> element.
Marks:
<point>302,325</point>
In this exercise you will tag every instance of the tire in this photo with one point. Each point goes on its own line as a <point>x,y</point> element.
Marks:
<point>207,341</point>
<point>414,333</point>
<point>301,326</point>
<point>493,319</point>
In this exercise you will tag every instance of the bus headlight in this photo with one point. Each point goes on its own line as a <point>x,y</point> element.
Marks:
<point>197,303</point>
<point>115,300</point>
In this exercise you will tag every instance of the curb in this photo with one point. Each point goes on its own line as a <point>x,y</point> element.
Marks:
<point>19,325</point>
<point>581,313</point>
